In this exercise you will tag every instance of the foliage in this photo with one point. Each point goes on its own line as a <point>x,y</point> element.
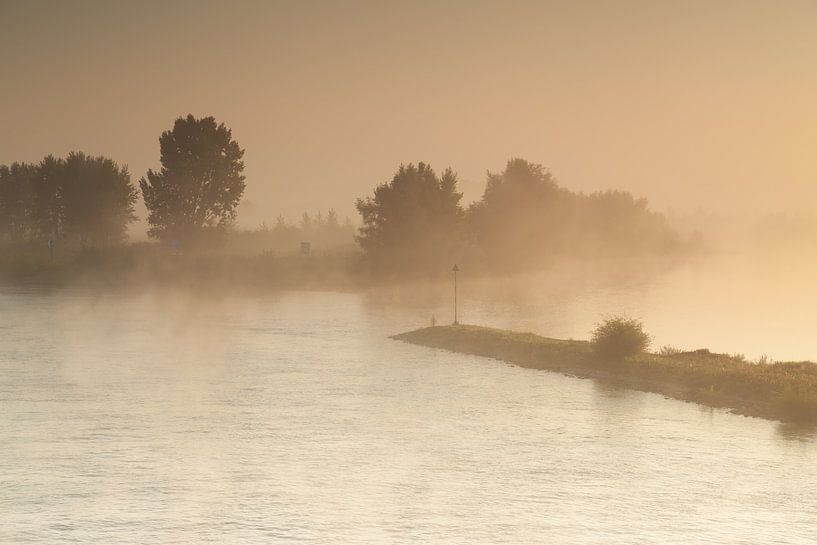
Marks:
<point>97,198</point>
<point>616,223</point>
<point>49,210</point>
<point>16,200</point>
<point>200,183</point>
<point>83,198</point>
<point>524,217</point>
<point>668,350</point>
<point>413,220</point>
<point>521,214</point>
<point>620,337</point>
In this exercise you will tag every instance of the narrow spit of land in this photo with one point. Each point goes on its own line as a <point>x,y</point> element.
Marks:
<point>785,391</point>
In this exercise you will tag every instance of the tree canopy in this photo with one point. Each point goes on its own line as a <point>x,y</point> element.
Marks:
<point>200,183</point>
<point>86,198</point>
<point>523,219</point>
<point>49,211</point>
<point>97,198</point>
<point>17,200</point>
<point>523,211</point>
<point>412,220</point>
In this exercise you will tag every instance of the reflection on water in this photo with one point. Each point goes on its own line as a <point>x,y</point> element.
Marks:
<point>797,432</point>
<point>154,418</point>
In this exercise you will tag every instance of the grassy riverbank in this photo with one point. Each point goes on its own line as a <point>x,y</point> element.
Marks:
<point>785,391</point>
<point>147,264</point>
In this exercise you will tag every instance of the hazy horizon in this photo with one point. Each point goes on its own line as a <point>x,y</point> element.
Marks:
<point>695,105</point>
<point>574,303</point>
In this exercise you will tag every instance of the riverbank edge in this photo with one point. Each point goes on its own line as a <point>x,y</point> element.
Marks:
<point>783,391</point>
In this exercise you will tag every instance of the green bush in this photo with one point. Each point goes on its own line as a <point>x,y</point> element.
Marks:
<point>619,337</point>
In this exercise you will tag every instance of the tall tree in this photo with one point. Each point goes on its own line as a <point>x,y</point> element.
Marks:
<point>412,221</point>
<point>47,207</point>
<point>200,183</point>
<point>306,222</point>
<point>332,219</point>
<point>522,214</point>
<point>16,200</point>
<point>97,199</point>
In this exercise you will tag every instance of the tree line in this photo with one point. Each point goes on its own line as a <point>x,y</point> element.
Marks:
<point>414,221</point>
<point>325,231</point>
<point>89,198</point>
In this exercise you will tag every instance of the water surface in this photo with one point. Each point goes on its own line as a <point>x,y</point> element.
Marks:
<point>292,418</point>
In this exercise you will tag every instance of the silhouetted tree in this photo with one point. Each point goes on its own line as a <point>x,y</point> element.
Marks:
<point>521,215</point>
<point>524,217</point>
<point>332,220</point>
<point>17,200</point>
<point>48,209</point>
<point>97,198</point>
<point>200,182</point>
<point>306,222</point>
<point>90,197</point>
<point>617,223</point>
<point>413,221</point>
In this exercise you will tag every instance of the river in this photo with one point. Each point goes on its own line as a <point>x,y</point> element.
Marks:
<point>153,417</point>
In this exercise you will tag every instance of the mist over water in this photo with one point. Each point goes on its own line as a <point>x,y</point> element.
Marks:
<point>216,216</point>
<point>163,416</point>
<point>753,303</point>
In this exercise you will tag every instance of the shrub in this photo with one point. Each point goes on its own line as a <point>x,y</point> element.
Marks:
<point>619,337</point>
<point>668,350</point>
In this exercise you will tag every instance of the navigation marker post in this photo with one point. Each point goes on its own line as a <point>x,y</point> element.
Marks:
<point>456,270</point>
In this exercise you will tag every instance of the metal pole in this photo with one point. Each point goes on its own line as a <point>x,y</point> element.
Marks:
<point>455,294</point>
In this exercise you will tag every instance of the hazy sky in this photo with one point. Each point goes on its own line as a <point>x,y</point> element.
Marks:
<point>710,103</point>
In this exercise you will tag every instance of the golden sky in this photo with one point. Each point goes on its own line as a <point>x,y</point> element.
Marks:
<point>708,104</point>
